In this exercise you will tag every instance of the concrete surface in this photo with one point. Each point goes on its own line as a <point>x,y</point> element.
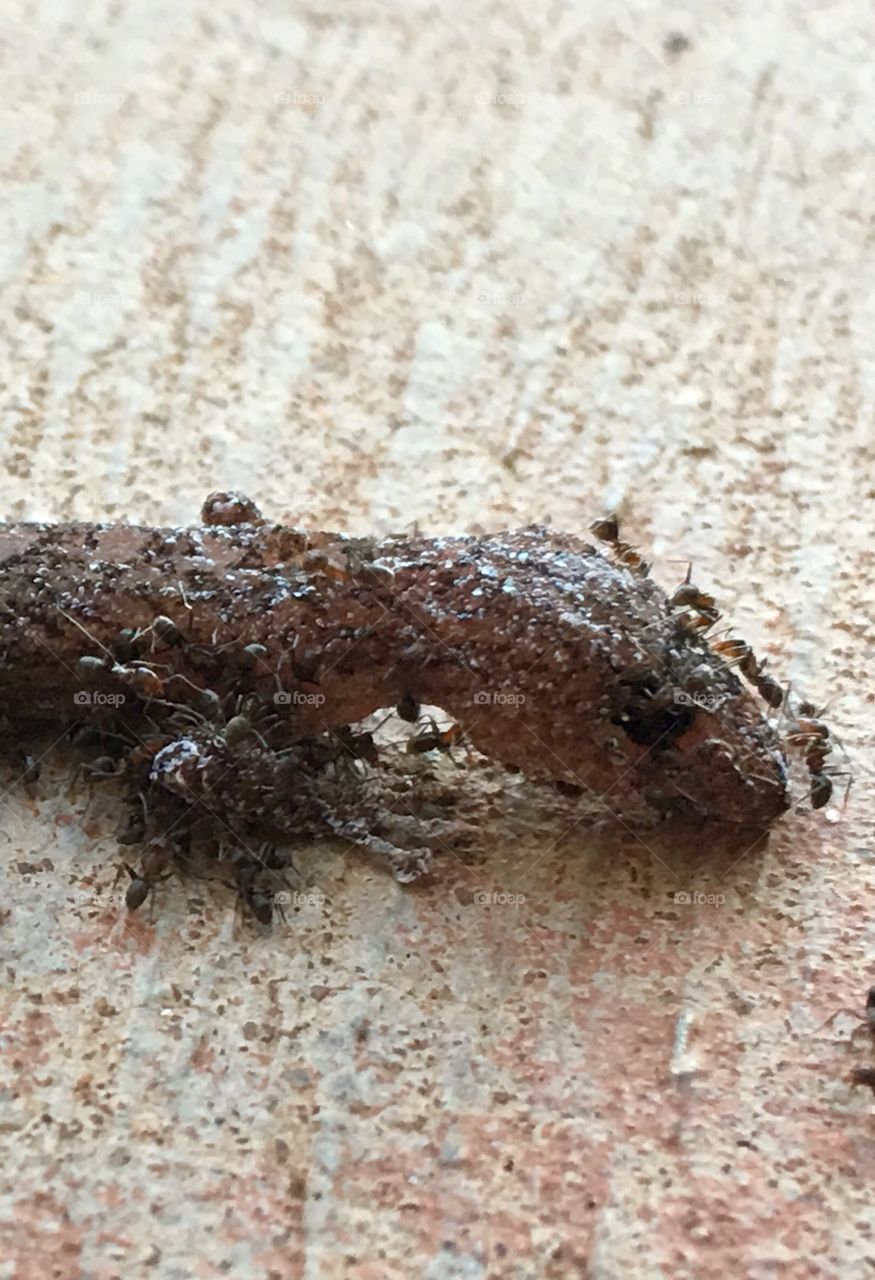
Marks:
<point>468,265</point>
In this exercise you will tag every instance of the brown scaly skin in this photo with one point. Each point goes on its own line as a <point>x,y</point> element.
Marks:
<point>553,658</point>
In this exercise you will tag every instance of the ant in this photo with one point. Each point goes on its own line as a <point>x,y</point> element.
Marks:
<point>153,864</point>
<point>251,655</point>
<point>32,768</point>
<point>376,574</point>
<point>126,646</point>
<point>84,735</point>
<point>260,903</point>
<point>628,556</point>
<point>90,666</point>
<point>698,621</point>
<point>206,706</point>
<point>131,642</point>
<point>240,730</point>
<point>408,707</point>
<point>360,746</point>
<point>306,662</point>
<point>822,785</point>
<point>342,746</point>
<point>734,650</point>
<point>145,682</point>
<point>319,560</point>
<point>141,678</point>
<point>607,529</point>
<point>813,736</point>
<point>769,689</point>
<point>102,769</point>
<point>432,738</point>
<point>165,632</point>
<point>132,829</point>
<point>688,596</point>
<point>737,650</point>
<point>865,1075</point>
<point>246,867</point>
<point>107,767</point>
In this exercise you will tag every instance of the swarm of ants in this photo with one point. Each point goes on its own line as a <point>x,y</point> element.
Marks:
<point>805,731</point>
<point>173,741</point>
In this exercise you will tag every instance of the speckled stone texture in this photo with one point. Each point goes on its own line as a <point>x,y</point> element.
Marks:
<point>463,267</point>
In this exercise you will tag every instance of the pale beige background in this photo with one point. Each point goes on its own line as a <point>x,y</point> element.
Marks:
<point>469,265</point>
